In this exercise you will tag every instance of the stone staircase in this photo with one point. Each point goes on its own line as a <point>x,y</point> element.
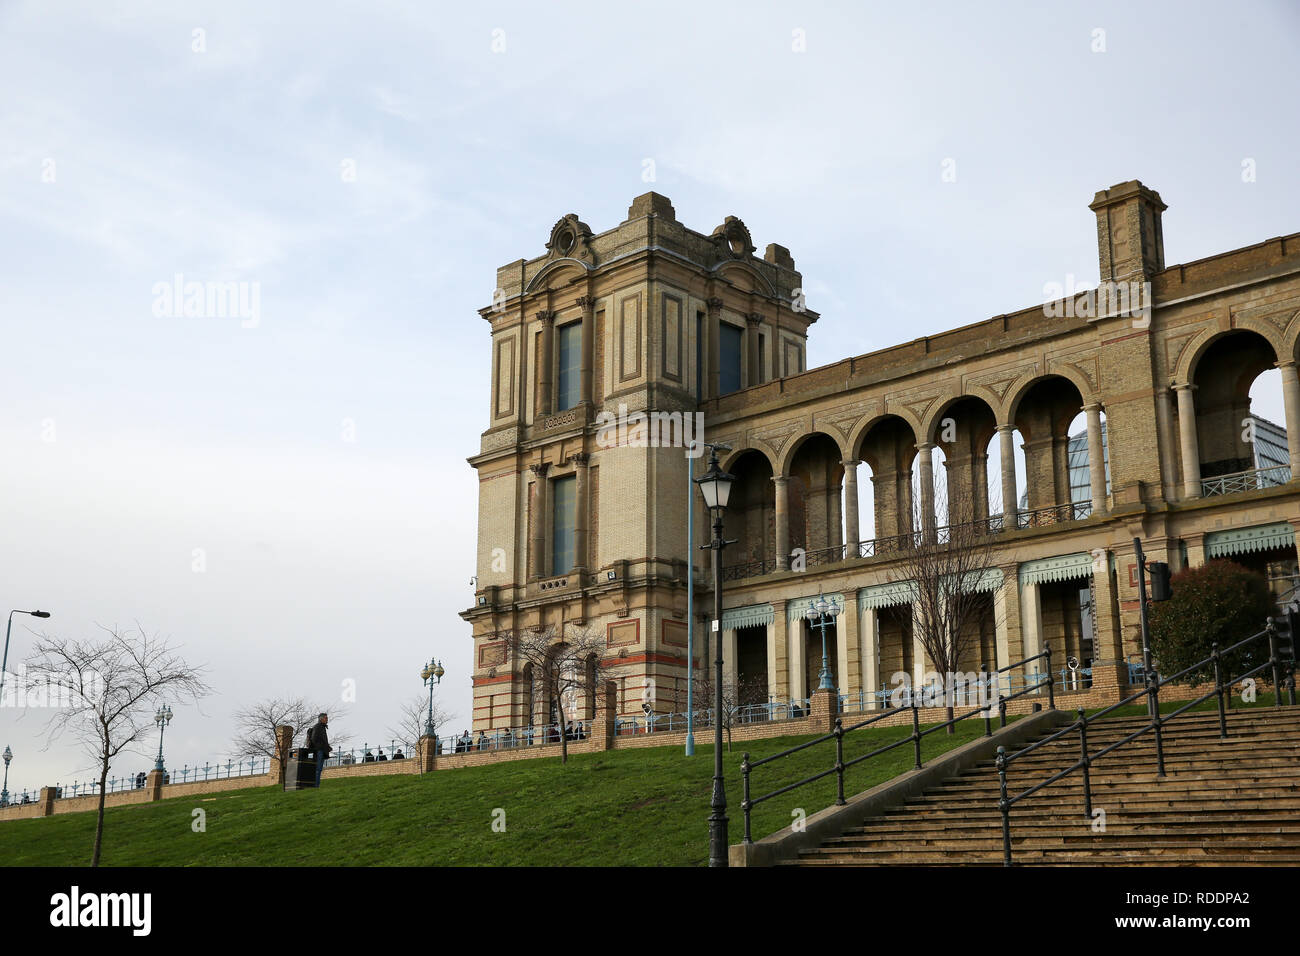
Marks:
<point>1234,802</point>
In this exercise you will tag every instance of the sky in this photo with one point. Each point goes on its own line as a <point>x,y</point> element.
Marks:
<point>281,490</point>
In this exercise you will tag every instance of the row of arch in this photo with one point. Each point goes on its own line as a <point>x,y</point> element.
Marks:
<point>1042,453</point>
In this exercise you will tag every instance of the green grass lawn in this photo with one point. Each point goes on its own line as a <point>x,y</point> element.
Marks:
<point>640,807</point>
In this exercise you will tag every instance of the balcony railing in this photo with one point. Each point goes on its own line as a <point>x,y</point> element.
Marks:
<point>1240,481</point>
<point>895,544</point>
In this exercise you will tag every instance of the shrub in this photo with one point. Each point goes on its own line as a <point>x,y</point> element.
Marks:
<point>1219,602</point>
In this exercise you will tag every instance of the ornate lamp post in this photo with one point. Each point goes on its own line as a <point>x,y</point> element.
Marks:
<point>162,719</point>
<point>715,486</point>
<point>4,794</point>
<point>432,676</point>
<point>4,664</point>
<point>821,614</point>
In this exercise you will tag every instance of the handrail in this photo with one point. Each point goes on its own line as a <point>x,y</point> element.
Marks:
<point>1154,726</point>
<point>984,684</point>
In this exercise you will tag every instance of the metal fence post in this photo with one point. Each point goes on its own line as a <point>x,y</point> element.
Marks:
<point>745,804</point>
<point>839,761</point>
<point>1273,659</point>
<point>1218,689</point>
<point>1153,701</point>
<point>1051,683</point>
<point>1005,806</point>
<point>984,695</point>
<point>916,733</point>
<point>1083,756</point>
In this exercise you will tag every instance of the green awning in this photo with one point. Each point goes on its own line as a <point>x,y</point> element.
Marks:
<point>1264,537</point>
<point>753,615</point>
<point>1064,567</point>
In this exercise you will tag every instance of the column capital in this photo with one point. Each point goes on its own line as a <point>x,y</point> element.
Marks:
<point>1004,428</point>
<point>753,319</point>
<point>925,446</point>
<point>1286,363</point>
<point>545,315</point>
<point>1183,386</point>
<point>1092,407</point>
<point>585,302</point>
<point>540,470</point>
<point>851,462</point>
<point>581,459</point>
<point>780,479</point>
<point>714,305</point>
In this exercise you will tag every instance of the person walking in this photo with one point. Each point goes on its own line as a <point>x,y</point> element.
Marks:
<point>318,741</point>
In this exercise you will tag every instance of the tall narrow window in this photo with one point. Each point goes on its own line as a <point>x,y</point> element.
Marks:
<point>564,495</point>
<point>729,345</point>
<point>699,356</point>
<point>569,380</point>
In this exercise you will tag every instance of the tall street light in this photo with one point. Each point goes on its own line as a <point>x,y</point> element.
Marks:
<point>432,675</point>
<point>715,486</point>
<point>4,794</point>
<point>821,614</point>
<point>4,665</point>
<point>162,719</point>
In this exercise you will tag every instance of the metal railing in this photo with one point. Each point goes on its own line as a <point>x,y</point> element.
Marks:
<point>988,680</point>
<point>510,738</point>
<point>1155,726</point>
<point>1255,480</point>
<point>371,753</point>
<point>910,540</point>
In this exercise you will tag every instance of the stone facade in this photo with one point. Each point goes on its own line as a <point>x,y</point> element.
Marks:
<point>659,318</point>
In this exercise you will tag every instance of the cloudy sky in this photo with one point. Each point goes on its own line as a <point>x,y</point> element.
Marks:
<point>284,492</point>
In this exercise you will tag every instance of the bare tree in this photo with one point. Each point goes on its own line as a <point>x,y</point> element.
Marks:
<point>255,726</point>
<point>566,669</point>
<point>737,693</point>
<point>112,687</point>
<point>414,715</point>
<point>951,569</point>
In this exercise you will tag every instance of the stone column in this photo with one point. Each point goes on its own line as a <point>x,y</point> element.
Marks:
<point>153,784</point>
<point>547,318</point>
<point>782,522</point>
<point>834,517</point>
<point>1007,453</point>
<point>1187,441</point>
<point>848,668</point>
<point>1195,541</point>
<point>870,652</point>
<point>426,756</point>
<point>1291,399</point>
<point>46,801</point>
<point>851,529</point>
<point>779,661</point>
<point>1031,622</point>
<point>581,518</point>
<point>602,728</point>
<point>537,515</point>
<point>1096,459</point>
<point>588,306</point>
<point>712,375</point>
<point>730,669</point>
<point>919,658</point>
<point>798,655</point>
<point>752,321</point>
<point>926,462</point>
<point>1165,436</point>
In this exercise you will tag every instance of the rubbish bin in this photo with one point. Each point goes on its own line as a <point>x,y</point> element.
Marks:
<point>300,773</point>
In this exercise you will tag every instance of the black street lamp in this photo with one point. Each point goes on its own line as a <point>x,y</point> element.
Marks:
<point>162,719</point>
<point>4,794</point>
<point>4,664</point>
<point>432,675</point>
<point>715,486</point>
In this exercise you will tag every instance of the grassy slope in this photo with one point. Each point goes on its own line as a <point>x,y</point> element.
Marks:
<point>646,807</point>
<point>632,807</point>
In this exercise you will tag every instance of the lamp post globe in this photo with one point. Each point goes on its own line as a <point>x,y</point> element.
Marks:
<point>162,719</point>
<point>4,793</point>
<point>431,673</point>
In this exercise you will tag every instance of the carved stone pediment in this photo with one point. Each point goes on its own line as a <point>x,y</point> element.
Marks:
<point>571,238</point>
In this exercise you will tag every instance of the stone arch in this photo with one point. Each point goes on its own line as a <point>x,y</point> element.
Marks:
<point>758,282</point>
<point>726,461</point>
<point>552,270</point>
<point>1023,385</point>
<point>1206,339</point>
<point>1291,338</point>
<point>792,448</point>
<point>1222,396</point>
<point>965,449</point>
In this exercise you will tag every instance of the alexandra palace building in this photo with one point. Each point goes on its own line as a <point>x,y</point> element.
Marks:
<point>583,526</point>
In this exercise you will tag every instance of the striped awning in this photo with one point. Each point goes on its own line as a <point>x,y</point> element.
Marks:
<point>753,615</point>
<point>1064,567</point>
<point>893,594</point>
<point>1264,537</point>
<point>797,608</point>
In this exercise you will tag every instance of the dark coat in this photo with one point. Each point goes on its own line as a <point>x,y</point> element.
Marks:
<point>318,738</point>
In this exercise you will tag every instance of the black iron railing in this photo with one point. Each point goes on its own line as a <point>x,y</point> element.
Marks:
<point>1155,726</point>
<point>988,680</point>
